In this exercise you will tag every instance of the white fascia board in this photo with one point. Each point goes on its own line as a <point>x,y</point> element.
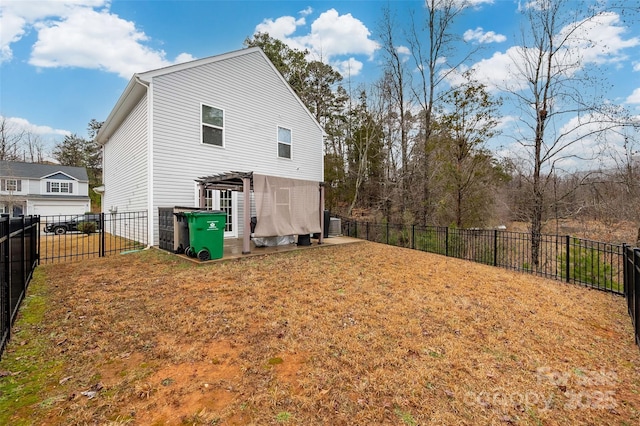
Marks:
<point>132,94</point>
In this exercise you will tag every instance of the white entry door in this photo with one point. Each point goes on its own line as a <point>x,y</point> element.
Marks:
<point>227,201</point>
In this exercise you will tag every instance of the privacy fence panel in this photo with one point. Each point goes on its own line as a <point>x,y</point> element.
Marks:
<point>19,245</point>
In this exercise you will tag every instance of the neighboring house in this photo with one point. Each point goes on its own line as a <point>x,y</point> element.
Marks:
<point>232,112</point>
<point>43,189</point>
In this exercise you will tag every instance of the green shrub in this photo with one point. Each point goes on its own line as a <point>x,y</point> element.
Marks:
<point>87,227</point>
<point>587,266</point>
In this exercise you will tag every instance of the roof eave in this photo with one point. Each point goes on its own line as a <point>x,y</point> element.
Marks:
<point>132,94</point>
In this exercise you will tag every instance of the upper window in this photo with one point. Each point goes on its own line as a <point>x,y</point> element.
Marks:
<point>212,126</point>
<point>12,185</point>
<point>60,187</point>
<point>284,142</point>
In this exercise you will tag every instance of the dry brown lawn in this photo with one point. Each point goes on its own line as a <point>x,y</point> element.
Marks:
<point>359,334</point>
<point>75,245</point>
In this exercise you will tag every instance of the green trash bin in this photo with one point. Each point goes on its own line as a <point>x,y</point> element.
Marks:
<point>206,234</point>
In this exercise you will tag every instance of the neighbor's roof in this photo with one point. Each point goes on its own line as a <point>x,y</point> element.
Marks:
<point>139,83</point>
<point>16,169</point>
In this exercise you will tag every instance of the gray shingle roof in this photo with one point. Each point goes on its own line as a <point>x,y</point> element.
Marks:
<point>16,169</point>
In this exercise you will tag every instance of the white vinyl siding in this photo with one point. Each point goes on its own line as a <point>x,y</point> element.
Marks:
<point>255,101</point>
<point>125,164</point>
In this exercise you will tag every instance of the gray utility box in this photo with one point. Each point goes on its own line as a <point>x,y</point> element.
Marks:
<point>173,228</point>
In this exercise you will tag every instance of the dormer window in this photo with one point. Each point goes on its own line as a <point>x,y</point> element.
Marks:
<point>60,187</point>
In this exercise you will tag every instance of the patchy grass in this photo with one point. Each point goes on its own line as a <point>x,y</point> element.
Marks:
<point>28,376</point>
<point>357,334</point>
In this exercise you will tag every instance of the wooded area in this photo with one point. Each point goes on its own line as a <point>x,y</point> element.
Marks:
<point>418,145</point>
<point>414,146</point>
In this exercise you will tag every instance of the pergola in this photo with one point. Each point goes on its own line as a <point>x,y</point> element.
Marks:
<point>243,182</point>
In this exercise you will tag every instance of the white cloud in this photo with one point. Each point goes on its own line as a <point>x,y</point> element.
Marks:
<point>595,42</point>
<point>403,50</point>
<point>598,40</point>
<point>461,4</point>
<point>483,37</point>
<point>333,34</point>
<point>636,66</point>
<point>280,28</point>
<point>18,16</point>
<point>350,67</point>
<point>18,125</point>
<point>75,34</point>
<point>634,98</point>
<point>331,37</point>
<point>306,12</point>
<point>497,72</point>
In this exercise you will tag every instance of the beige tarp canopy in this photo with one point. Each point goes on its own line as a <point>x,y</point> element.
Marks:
<point>283,206</point>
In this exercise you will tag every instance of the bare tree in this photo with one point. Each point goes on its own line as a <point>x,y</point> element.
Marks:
<point>433,70</point>
<point>397,89</point>
<point>33,148</point>
<point>10,140</point>
<point>557,110</point>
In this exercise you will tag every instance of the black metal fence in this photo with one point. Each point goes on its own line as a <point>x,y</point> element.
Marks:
<point>573,260</point>
<point>632,286</point>
<point>67,238</point>
<point>19,245</point>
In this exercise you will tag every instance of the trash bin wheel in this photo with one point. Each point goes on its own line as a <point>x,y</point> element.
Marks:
<point>189,252</point>
<point>204,255</point>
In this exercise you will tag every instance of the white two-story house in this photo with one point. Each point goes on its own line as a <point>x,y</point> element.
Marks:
<point>171,126</point>
<point>43,189</point>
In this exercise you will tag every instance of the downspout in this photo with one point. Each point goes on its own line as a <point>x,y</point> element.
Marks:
<point>151,213</point>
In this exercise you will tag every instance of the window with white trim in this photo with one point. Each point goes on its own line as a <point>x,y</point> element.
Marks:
<point>212,126</point>
<point>284,142</point>
<point>12,185</point>
<point>59,187</point>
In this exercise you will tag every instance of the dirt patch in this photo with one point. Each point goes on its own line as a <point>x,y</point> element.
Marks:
<point>359,334</point>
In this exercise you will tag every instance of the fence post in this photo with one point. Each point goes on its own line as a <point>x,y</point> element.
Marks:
<point>446,241</point>
<point>568,254</point>
<point>636,296</point>
<point>495,247</point>
<point>367,231</point>
<point>413,236</point>
<point>387,233</point>
<point>23,241</point>
<point>6,288</point>
<point>102,250</point>
<point>624,269</point>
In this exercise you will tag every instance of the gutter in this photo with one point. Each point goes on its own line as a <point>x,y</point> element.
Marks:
<point>132,94</point>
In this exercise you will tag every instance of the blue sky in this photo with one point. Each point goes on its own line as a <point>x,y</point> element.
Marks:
<point>66,62</point>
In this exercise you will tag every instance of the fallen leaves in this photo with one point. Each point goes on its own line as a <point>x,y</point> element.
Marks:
<point>423,339</point>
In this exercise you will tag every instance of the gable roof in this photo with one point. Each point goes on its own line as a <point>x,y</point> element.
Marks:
<point>17,169</point>
<point>139,83</point>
